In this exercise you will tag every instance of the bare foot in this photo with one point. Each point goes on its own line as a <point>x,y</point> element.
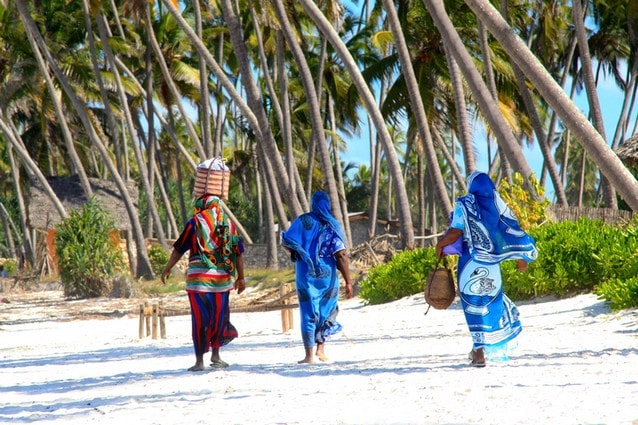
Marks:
<point>196,368</point>
<point>217,360</point>
<point>309,357</point>
<point>321,356</point>
<point>214,358</point>
<point>478,358</point>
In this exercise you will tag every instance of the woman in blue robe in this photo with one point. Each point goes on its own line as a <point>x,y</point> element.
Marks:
<point>317,247</point>
<point>491,234</point>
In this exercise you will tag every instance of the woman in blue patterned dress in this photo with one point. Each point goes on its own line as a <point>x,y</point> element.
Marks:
<point>491,234</point>
<point>317,247</point>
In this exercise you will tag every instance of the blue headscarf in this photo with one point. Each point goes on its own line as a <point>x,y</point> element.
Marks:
<point>303,237</point>
<point>493,232</point>
<point>320,208</point>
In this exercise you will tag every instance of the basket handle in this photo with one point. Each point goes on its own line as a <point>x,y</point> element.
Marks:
<point>209,169</point>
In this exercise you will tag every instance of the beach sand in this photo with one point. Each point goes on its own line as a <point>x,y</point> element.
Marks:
<point>576,363</point>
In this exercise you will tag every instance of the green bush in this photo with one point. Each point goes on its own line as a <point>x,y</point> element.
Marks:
<point>619,293</point>
<point>574,257</point>
<point>11,266</point>
<point>158,256</point>
<point>403,275</point>
<point>87,255</point>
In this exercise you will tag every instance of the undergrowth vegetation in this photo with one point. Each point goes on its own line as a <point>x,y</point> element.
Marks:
<point>574,257</point>
<point>88,251</point>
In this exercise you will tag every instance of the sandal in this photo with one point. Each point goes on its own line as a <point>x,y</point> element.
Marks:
<point>477,364</point>
<point>219,364</point>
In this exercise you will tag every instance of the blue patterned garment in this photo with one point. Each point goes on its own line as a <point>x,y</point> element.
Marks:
<point>489,227</point>
<point>491,234</point>
<point>313,239</point>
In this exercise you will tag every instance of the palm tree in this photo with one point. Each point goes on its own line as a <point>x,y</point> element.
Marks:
<point>485,100</point>
<point>593,142</point>
<point>274,168</point>
<point>595,111</point>
<point>403,207</point>
<point>418,109</point>
<point>314,109</point>
<point>143,265</point>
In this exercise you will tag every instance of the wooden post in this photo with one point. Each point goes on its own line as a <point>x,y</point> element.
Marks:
<point>291,319</point>
<point>285,324</point>
<point>154,309</point>
<point>147,315</point>
<point>141,327</point>
<point>162,317</point>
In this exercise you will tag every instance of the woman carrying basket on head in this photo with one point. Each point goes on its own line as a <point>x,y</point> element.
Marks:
<point>215,258</point>
<point>491,234</point>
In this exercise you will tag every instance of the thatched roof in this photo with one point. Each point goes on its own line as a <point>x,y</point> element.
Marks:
<point>43,214</point>
<point>627,151</point>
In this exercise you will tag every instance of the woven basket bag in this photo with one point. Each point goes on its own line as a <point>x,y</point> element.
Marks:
<point>439,289</point>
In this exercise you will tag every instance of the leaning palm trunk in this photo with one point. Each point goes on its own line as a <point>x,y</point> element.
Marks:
<point>592,141</point>
<point>417,108</point>
<point>60,115</point>
<point>144,175</point>
<point>506,140</point>
<point>541,137</point>
<point>554,117</point>
<point>463,123</point>
<point>170,83</point>
<point>204,94</point>
<point>343,204</point>
<point>314,108</point>
<point>286,121</point>
<point>403,205</point>
<point>143,265</point>
<point>15,175</point>
<point>609,194</point>
<point>271,241</point>
<point>12,136</point>
<point>254,98</point>
<point>626,112</point>
<point>9,230</point>
<point>275,170</point>
<point>108,110</point>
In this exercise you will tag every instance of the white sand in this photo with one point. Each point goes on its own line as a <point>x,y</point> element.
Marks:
<point>576,363</point>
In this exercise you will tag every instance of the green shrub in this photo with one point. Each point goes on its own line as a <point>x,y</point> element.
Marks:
<point>619,293</point>
<point>10,266</point>
<point>158,257</point>
<point>87,255</point>
<point>403,275</point>
<point>527,211</point>
<point>574,257</point>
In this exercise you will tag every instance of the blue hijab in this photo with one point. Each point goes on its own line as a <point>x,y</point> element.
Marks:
<point>493,232</point>
<point>304,235</point>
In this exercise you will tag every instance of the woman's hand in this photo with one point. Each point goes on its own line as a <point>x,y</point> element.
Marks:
<point>449,238</point>
<point>349,290</point>
<point>239,285</point>
<point>165,274</point>
<point>521,265</point>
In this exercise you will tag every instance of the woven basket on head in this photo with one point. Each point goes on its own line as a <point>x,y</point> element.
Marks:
<point>213,177</point>
<point>439,289</point>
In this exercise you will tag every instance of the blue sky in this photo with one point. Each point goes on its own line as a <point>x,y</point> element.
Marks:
<point>610,97</point>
